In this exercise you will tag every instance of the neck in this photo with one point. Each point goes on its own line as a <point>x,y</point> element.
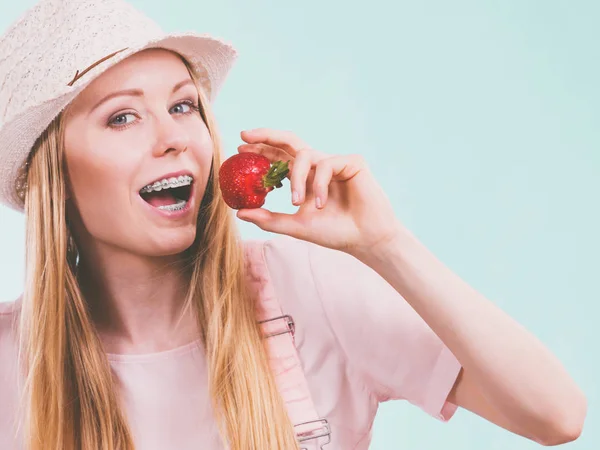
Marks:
<point>137,302</point>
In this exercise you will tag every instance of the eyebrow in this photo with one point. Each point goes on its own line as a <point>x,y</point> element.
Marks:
<point>138,92</point>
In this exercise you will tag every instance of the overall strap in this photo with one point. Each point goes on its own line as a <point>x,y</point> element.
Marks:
<point>278,330</point>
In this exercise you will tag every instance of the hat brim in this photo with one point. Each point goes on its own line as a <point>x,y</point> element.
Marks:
<point>210,58</point>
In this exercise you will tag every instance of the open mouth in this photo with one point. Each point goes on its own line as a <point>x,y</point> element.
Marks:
<point>169,194</point>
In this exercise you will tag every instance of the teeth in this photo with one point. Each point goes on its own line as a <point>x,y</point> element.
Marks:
<point>175,206</point>
<point>183,180</point>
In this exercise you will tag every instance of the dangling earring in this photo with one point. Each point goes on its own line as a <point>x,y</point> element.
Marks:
<point>72,252</point>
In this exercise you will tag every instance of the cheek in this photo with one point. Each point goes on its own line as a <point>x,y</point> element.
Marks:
<point>203,150</point>
<point>91,180</point>
<point>97,180</point>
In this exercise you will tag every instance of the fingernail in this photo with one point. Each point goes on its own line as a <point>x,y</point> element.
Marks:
<point>318,202</point>
<point>295,197</point>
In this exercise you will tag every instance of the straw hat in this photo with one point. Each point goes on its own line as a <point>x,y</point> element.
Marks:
<point>57,48</point>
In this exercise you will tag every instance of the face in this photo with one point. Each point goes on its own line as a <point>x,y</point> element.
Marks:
<point>134,141</point>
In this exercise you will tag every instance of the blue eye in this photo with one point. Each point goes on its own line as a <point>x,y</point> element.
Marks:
<point>184,108</point>
<point>181,108</point>
<point>121,119</point>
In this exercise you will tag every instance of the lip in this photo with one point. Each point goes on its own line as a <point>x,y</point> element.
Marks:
<point>173,214</point>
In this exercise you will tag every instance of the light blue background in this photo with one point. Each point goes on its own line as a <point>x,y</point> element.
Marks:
<point>480,119</point>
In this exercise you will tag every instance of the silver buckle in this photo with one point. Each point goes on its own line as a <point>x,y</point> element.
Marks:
<point>324,431</point>
<point>289,322</point>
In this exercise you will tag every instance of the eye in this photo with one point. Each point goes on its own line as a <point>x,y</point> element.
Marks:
<point>186,107</point>
<point>181,108</point>
<point>121,120</point>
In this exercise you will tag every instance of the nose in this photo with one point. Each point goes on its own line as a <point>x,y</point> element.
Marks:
<point>170,137</point>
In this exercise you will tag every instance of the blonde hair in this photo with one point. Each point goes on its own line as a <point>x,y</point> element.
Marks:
<point>71,401</point>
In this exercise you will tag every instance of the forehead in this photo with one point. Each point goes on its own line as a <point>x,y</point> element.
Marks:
<point>145,70</point>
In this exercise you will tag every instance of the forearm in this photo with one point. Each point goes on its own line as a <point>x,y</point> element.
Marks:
<point>514,371</point>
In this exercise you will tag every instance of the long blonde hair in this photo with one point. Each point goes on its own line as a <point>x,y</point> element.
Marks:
<point>71,401</point>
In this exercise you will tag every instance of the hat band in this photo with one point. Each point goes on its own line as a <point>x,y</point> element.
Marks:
<point>79,75</point>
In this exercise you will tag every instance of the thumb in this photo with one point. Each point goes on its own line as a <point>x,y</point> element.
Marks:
<point>272,222</point>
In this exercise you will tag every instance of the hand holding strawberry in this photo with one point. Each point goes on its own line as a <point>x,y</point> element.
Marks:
<point>341,205</point>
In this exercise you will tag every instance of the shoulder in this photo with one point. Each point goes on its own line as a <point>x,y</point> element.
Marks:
<point>282,254</point>
<point>9,369</point>
<point>281,262</point>
<point>313,284</point>
<point>9,308</point>
<point>333,274</point>
<point>297,265</point>
<point>281,268</point>
<point>294,253</point>
<point>8,321</point>
<point>277,246</point>
<point>9,314</point>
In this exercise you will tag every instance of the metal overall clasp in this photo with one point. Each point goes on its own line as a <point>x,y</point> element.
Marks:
<point>319,434</point>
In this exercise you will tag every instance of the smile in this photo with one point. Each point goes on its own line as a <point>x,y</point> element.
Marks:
<point>169,194</point>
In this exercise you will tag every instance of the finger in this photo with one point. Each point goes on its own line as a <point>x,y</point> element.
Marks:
<point>285,140</point>
<point>272,222</point>
<point>337,168</point>
<point>321,182</point>
<point>345,167</point>
<point>302,166</point>
<point>272,153</point>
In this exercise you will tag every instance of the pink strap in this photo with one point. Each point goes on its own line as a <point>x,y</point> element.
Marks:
<point>278,329</point>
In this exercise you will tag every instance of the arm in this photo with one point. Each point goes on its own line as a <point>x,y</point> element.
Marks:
<point>508,376</point>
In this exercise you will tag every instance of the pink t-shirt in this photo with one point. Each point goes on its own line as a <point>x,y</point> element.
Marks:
<point>360,343</point>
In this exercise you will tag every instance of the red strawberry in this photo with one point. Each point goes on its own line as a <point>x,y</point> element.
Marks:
<point>245,179</point>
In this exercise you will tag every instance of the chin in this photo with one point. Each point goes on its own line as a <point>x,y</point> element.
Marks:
<point>171,243</point>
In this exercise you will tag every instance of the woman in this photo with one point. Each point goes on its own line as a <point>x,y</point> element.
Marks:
<point>138,325</point>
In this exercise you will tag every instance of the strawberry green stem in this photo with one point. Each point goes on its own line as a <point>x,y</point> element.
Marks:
<point>276,174</point>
